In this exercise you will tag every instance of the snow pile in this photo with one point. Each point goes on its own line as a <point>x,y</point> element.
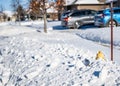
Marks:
<point>101,35</point>
<point>30,62</point>
<point>12,30</point>
<point>61,57</point>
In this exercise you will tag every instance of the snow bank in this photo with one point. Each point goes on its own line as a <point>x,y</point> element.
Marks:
<point>102,35</point>
<point>26,62</point>
<point>29,57</point>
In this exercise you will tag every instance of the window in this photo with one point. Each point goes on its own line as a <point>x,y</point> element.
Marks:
<point>93,12</point>
<point>100,12</point>
<point>88,12</point>
<point>75,14</point>
<point>117,11</point>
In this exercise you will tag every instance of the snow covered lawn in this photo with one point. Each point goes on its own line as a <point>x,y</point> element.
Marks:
<point>61,57</point>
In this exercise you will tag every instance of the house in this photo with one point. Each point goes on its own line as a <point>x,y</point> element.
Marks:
<point>1,16</point>
<point>116,3</point>
<point>85,4</point>
<point>52,13</point>
<point>6,16</point>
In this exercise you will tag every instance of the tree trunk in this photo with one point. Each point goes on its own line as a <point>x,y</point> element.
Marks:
<point>45,23</point>
<point>19,19</point>
<point>45,19</point>
<point>59,16</point>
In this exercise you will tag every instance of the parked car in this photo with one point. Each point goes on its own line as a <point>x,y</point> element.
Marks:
<point>64,15</point>
<point>103,17</point>
<point>78,18</point>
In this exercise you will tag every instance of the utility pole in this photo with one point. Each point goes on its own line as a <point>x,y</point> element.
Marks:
<point>111,8</point>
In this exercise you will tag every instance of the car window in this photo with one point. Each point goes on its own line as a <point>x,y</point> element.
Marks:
<point>76,14</point>
<point>116,10</point>
<point>65,14</point>
<point>87,12</point>
<point>83,13</point>
<point>100,12</point>
<point>93,12</point>
<point>90,12</point>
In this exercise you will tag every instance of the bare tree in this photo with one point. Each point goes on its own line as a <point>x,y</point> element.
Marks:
<point>1,12</point>
<point>44,16</point>
<point>18,8</point>
<point>20,12</point>
<point>3,16</point>
<point>1,8</point>
<point>60,7</point>
<point>39,7</point>
<point>15,4</point>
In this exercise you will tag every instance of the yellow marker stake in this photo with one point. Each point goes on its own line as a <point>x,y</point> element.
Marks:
<point>100,55</point>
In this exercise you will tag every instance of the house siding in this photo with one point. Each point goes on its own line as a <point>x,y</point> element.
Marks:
<point>93,7</point>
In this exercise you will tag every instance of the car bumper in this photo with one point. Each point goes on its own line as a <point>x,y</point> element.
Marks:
<point>63,23</point>
<point>67,24</point>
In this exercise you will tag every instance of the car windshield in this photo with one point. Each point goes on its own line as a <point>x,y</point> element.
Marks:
<point>106,11</point>
<point>66,13</point>
<point>100,12</point>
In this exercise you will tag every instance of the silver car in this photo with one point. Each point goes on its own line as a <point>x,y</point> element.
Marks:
<point>78,18</point>
<point>64,15</point>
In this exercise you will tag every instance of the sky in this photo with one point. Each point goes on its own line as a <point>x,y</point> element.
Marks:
<point>6,4</point>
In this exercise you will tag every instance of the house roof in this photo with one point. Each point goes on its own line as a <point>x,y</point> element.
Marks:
<point>1,13</point>
<point>108,1</point>
<point>51,10</point>
<point>87,2</point>
<point>73,2</point>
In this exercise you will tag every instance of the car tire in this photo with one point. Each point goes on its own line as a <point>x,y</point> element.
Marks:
<point>114,24</point>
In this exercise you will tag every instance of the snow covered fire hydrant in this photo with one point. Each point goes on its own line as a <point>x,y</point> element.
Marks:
<point>100,55</point>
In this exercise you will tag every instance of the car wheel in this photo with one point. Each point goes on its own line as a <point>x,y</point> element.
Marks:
<point>76,25</point>
<point>114,24</point>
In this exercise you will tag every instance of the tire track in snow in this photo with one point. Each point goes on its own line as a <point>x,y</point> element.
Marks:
<point>108,45</point>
